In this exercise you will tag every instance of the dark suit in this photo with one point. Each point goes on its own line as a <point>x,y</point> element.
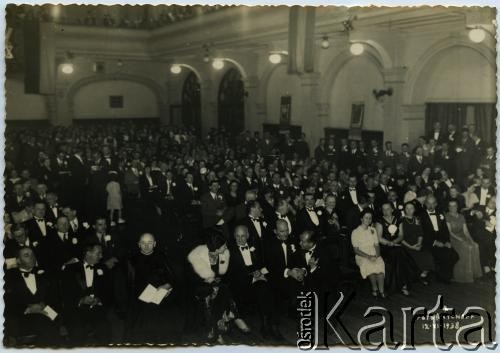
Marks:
<point>254,238</point>
<point>324,277</point>
<point>304,222</point>
<point>444,258</point>
<point>55,252</point>
<point>415,167</point>
<point>184,196</point>
<point>209,208</point>
<point>80,318</point>
<point>18,297</point>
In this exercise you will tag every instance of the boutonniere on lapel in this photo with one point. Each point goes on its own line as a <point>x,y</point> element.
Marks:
<point>292,247</point>
<point>173,184</point>
<point>35,244</point>
<point>74,241</point>
<point>100,272</point>
<point>441,217</point>
<point>107,237</point>
<point>219,197</point>
<point>320,189</point>
<point>86,225</point>
<point>392,229</point>
<point>49,224</point>
<point>252,249</point>
<point>195,188</point>
<point>400,207</point>
<point>281,192</point>
<point>319,213</point>
<point>264,223</point>
<point>40,272</point>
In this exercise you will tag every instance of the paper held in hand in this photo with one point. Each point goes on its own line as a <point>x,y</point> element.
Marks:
<point>51,313</point>
<point>154,295</point>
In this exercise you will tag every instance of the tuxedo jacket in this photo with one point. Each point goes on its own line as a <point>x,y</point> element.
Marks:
<point>240,275</point>
<point>74,286</point>
<point>477,191</point>
<point>35,232</point>
<point>430,235</point>
<point>274,259</point>
<point>12,247</point>
<point>346,199</point>
<point>18,296</point>
<point>254,238</point>
<point>414,167</point>
<point>248,185</point>
<point>54,251</point>
<point>209,207</point>
<point>184,195</point>
<point>324,275</point>
<point>110,243</point>
<point>50,215</point>
<point>304,221</point>
<point>79,171</point>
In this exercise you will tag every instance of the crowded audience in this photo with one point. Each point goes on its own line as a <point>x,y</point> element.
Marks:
<point>167,232</point>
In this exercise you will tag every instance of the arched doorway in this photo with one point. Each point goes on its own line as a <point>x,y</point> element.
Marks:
<point>191,103</point>
<point>231,102</point>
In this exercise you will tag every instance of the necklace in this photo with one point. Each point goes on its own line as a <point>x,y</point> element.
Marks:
<point>412,220</point>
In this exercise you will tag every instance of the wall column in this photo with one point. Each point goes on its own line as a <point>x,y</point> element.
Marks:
<point>393,78</point>
<point>311,123</point>
<point>208,107</point>
<point>252,120</point>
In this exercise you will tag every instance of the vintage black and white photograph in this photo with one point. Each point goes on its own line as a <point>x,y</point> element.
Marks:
<point>295,176</point>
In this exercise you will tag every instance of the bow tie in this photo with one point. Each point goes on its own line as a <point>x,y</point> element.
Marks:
<point>432,213</point>
<point>255,219</point>
<point>26,274</point>
<point>310,209</point>
<point>352,189</point>
<point>282,216</point>
<point>309,252</point>
<point>40,220</point>
<point>89,266</point>
<point>245,247</point>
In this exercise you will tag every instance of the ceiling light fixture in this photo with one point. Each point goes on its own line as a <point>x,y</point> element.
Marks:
<point>275,58</point>
<point>67,68</point>
<point>325,44</point>
<point>175,69</point>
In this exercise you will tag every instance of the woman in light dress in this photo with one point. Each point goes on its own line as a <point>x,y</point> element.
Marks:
<point>468,266</point>
<point>366,247</point>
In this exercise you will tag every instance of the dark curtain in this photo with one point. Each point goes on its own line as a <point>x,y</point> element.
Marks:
<point>445,113</point>
<point>485,115</point>
<point>32,56</point>
<point>456,114</point>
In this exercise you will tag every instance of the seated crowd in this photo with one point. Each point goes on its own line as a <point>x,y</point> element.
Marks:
<point>267,219</point>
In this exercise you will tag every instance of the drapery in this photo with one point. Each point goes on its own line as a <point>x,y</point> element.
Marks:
<point>484,117</point>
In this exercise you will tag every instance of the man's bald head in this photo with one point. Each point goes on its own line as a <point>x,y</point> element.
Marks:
<point>147,243</point>
<point>282,230</point>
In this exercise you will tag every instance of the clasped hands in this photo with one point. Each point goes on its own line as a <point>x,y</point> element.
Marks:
<point>297,273</point>
<point>90,300</point>
<point>35,309</point>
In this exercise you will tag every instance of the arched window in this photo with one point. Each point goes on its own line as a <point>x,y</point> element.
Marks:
<point>231,102</point>
<point>191,103</point>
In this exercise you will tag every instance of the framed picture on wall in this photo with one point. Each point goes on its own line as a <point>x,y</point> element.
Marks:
<point>357,117</point>
<point>285,110</point>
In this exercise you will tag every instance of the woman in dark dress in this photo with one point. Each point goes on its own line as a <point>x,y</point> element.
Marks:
<point>400,271</point>
<point>233,197</point>
<point>150,322</point>
<point>411,231</point>
<point>210,263</point>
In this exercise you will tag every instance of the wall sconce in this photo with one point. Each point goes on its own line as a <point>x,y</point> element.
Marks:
<point>175,69</point>
<point>218,64</point>
<point>378,94</point>
<point>275,57</point>
<point>477,34</point>
<point>67,68</point>
<point>325,44</point>
<point>357,48</point>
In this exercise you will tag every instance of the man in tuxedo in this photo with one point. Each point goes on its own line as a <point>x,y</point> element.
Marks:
<point>390,157</point>
<point>249,284</point>
<point>321,273</point>
<point>61,246</point>
<point>248,182</point>
<point>350,196</point>
<point>31,303</point>
<point>436,134</point>
<point>417,162</point>
<point>309,218</point>
<point>20,239</point>
<point>352,217</point>
<point>39,225</point>
<point>452,137</point>
<point>52,210</point>
<point>186,195</point>
<point>257,227</point>
<point>285,278</point>
<point>488,162</point>
<point>86,297</point>
<point>437,240</point>
<point>484,192</point>
<point>213,207</point>
<point>17,200</point>
<point>283,212</point>
<point>445,159</point>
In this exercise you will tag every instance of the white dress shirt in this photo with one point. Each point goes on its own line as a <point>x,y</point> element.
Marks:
<point>313,216</point>
<point>245,253</point>
<point>30,281</point>
<point>283,246</point>
<point>256,224</point>
<point>354,196</point>
<point>89,275</point>
<point>41,225</point>
<point>483,196</point>
<point>434,221</point>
